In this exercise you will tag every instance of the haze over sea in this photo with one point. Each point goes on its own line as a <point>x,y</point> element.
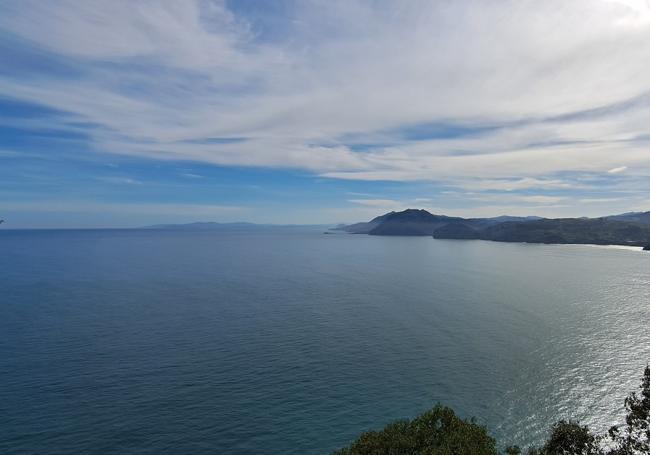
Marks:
<point>144,341</point>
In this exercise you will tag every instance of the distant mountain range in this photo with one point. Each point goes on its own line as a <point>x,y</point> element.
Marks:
<point>625,229</point>
<point>633,217</point>
<point>233,227</point>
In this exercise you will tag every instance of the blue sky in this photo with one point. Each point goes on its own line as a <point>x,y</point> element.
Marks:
<point>128,113</point>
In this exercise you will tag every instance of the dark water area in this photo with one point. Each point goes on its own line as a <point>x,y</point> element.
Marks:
<point>141,341</point>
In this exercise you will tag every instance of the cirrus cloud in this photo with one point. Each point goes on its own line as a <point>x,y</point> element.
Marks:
<point>493,96</point>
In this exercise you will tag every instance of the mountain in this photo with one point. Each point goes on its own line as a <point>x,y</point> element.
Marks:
<point>458,230</point>
<point>410,222</point>
<point>233,227</point>
<point>634,217</point>
<point>504,218</point>
<point>599,231</point>
<point>204,225</point>
<point>363,228</point>
<point>627,229</point>
<point>407,222</point>
<point>421,222</point>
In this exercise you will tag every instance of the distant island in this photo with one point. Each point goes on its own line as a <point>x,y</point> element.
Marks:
<point>631,229</point>
<point>234,227</point>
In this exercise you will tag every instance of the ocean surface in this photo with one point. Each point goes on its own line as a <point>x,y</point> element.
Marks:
<point>148,342</point>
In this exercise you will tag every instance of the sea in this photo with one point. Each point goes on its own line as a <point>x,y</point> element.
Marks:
<point>295,342</point>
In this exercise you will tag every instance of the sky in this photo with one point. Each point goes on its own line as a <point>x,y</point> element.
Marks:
<point>125,113</point>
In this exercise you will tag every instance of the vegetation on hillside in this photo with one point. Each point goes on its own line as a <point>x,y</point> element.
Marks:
<point>440,431</point>
<point>595,231</point>
<point>628,229</point>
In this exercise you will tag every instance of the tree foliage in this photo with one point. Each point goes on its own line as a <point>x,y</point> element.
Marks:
<point>436,432</point>
<point>570,438</point>
<point>440,432</point>
<point>634,437</point>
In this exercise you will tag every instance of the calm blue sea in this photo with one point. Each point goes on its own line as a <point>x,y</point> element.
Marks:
<point>148,342</point>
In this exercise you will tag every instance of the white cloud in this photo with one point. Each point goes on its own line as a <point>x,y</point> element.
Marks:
<point>550,87</point>
<point>193,211</point>
<point>602,200</point>
<point>514,184</point>
<point>120,180</point>
<point>542,200</point>
<point>510,199</point>
<point>380,203</point>
<point>174,32</point>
